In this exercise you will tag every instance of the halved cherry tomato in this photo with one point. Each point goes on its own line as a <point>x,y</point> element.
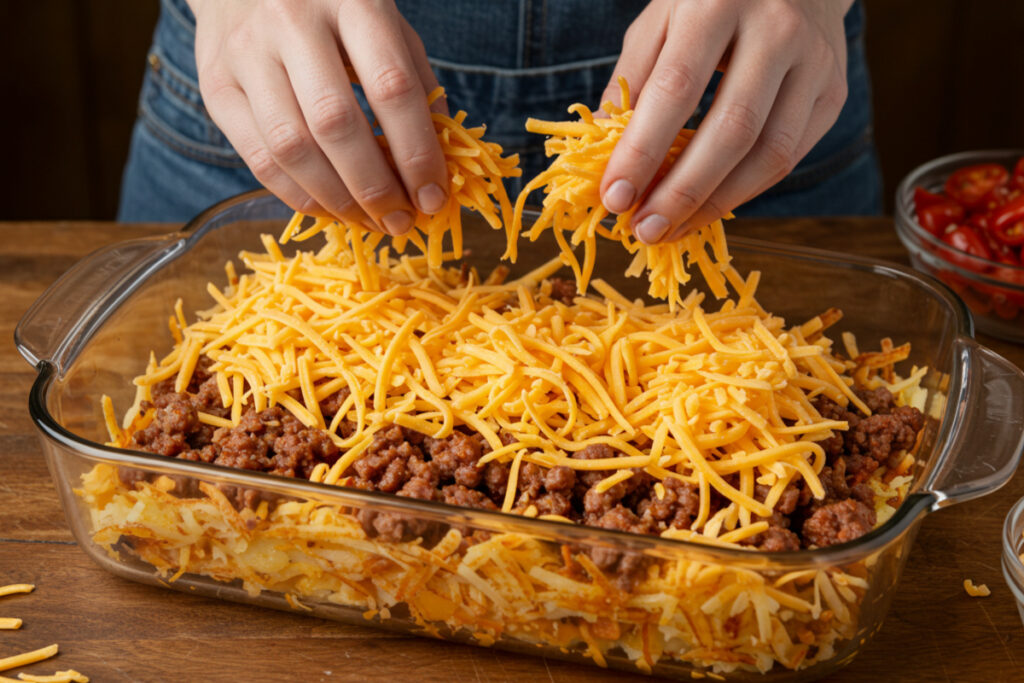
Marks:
<point>1004,306</point>
<point>970,185</point>
<point>999,196</point>
<point>966,239</point>
<point>936,217</point>
<point>923,198</point>
<point>1003,253</point>
<point>1008,223</point>
<point>1018,175</point>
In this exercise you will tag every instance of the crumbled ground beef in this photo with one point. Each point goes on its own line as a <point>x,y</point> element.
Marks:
<point>411,465</point>
<point>563,290</point>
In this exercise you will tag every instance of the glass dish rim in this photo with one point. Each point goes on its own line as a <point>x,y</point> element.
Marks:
<point>905,221</point>
<point>901,521</point>
<point>1011,536</point>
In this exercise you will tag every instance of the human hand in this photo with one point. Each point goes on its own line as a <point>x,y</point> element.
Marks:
<point>273,77</point>
<point>783,86</point>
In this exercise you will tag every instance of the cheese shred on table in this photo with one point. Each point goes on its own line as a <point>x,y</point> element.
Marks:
<point>717,398</point>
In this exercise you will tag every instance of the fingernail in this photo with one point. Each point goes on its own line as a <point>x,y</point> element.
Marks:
<point>431,198</point>
<point>620,196</point>
<point>397,222</point>
<point>651,229</point>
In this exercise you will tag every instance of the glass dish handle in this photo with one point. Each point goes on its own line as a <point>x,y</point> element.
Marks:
<point>71,308</point>
<point>984,446</point>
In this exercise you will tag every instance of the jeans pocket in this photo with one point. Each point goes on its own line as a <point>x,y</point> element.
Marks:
<point>171,109</point>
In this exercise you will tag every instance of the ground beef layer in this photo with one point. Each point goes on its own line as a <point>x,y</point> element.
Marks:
<point>409,464</point>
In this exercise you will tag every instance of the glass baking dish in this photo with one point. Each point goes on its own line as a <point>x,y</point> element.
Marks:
<point>485,577</point>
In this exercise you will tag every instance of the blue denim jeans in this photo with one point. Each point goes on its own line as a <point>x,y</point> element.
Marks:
<point>502,61</point>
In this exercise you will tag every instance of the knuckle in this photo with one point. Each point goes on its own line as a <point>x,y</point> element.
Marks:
<point>282,11</point>
<point>286,142</point>
<point>837,92</point>
<point>262,165</point>
<point>416,157</point>
<point>240,39</point>
<point>786,20</point>
<point>632,36</point>
<point>638,154</point>
<point>344,206</point>
<point>673,81</point>
<point>374,193</point>
<point>682,199</point>
<point>331,117</point>
<point>778,149</point>
<point>739,124</point>
<point>391,84</point>
<point>215,84</point>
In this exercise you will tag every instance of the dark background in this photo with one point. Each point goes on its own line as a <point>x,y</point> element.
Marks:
<point>948,76</point>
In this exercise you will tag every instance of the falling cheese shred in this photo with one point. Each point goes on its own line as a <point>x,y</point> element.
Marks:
<point>572,204</point>
<point>718,398</point>
<point>476,173</point>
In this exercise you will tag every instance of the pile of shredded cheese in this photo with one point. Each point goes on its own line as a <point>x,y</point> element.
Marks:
<point>572,203</point>
<point>476,171</point>
<point>717,398</point>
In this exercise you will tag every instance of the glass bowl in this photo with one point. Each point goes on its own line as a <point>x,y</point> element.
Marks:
<point>798,615</point>
<point>1013,548</point>
<point>993,291</point>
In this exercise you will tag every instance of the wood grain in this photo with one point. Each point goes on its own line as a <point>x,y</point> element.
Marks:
<point>116,630</point>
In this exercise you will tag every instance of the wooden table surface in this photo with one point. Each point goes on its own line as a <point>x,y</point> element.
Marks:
<point>116,630</point>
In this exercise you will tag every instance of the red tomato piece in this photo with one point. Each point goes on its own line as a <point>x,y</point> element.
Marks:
<point>923,198</point>
<point>1018,175</point>
<point>998,197</point>
<point>935,218</point>
<point>1008,223</point>
<point>1005,307</point>
<point>966,239</point>
<point>971,184</point>
<point>1003,253</point>
<point>980,221</point>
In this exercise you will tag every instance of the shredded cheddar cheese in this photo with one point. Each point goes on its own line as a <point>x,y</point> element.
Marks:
<point>979,591</point>
<point>572,204</point>
<point>26,658</point>
<point>476,171</point>
<point>718,398</point>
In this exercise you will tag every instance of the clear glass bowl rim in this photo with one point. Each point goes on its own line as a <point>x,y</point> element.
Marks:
<point>906,221</point>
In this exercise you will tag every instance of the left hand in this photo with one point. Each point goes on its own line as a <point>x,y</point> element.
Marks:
<point>784,84</point>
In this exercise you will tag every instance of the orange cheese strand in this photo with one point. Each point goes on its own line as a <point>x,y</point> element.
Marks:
<point>476,173</point>
<point>572,205</point>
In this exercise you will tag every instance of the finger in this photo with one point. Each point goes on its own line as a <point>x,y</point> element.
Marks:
<point>343,149</point>
<point>230,110</point>
<point>666,100</point>
<point>419,59</point>
<point>824,114</point>
<point>772,157</point>
<point>376,45</point>
<point>289,140</point>
<point>725,136</point>
<point>640,48</point>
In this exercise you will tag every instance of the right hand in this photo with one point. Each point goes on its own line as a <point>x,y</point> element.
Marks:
<point>272,74</point>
